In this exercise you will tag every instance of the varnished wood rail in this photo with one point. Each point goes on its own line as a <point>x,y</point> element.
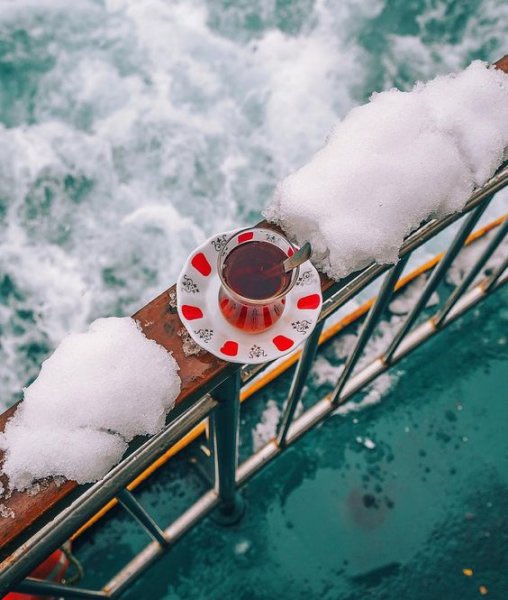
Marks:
<point>199,374</point>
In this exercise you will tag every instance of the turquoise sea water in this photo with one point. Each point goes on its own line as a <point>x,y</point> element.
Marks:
<point>334,517</point>
<point>132,129</point>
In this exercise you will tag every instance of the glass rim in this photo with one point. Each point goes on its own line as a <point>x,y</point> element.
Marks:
<point>222,256</point>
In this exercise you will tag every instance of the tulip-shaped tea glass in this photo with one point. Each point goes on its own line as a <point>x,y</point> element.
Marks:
<point>254,285</point>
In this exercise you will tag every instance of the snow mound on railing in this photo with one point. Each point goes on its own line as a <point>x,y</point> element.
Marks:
<point>95,393</point>
<point>391,164</point>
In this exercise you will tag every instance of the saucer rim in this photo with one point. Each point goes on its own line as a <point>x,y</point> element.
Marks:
<point>217,315</point>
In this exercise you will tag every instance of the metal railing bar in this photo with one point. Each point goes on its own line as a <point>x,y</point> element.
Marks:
<point>492,280</point>
<point>324,407</point>
<point>415,338</point>
<point>357,284</point>
<point>346,289</point>
<point>436,277</point>
<point>471,275</point>
<point>134,508</point>
<point>153,551</point>
<point>225,427</point>
<point>268,451</point>
<point>299,378</point>
<point>435,226</point>
<point>282,365</point>
<point>30,554</point>
<point>47,588</point>
<point>375,313</point>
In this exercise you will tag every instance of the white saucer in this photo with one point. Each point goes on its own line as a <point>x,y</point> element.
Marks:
<point>198,307</point>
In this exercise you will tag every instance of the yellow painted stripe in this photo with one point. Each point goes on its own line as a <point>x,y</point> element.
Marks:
<point>272,374</point>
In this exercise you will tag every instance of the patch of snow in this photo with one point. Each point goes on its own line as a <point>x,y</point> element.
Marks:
<point>377,389</point>
<point>6,513</point>
<point>391,164</point>
<point>242,547</point>
<point>266,429</point>
<point>344,345</point>
<point>324,372</point>
<point>189,346</point>
<point>367,442</point>
<point>95,393</point>
<point>469,255</point>
<point>407,297</point>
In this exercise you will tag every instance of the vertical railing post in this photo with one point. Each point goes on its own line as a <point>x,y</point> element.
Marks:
<point>437,275</point>
<point>375,313</point>
<point>469,277</point>
<point>225,430</point>
<point>300,376</point>
<point>134,508</point>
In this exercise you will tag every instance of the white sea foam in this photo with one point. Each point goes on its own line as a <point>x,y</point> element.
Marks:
<point>389,165</point>
<point>426,54</point>
<point>95,393</point>
<point>142,130</point>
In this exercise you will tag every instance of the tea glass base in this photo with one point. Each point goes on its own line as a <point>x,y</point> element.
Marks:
<point>254,318</point>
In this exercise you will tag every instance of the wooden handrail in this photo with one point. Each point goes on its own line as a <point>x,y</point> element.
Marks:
<point>199,374</point>
<point>502,63</point>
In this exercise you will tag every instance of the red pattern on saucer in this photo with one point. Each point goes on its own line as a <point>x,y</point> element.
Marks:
<point>310,302</point>
<point>201,264</point>
<point>198,307</point>
<point>191,312</point>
